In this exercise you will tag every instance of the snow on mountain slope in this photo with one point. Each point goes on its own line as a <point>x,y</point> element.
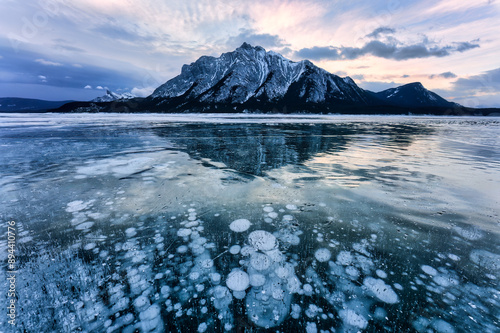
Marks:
<point>252,74</point>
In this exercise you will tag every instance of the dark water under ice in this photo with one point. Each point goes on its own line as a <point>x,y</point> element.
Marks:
<point>241,223</point>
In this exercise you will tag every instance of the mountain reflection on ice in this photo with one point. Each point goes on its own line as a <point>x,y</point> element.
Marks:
<point>236,224</point>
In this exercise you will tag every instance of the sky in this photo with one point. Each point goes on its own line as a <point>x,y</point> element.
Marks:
<point>75,49</point>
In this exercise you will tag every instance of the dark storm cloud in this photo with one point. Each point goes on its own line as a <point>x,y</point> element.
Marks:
<point>446,75</point>
<point>487,82</point>
<point>29,67</point>
<point>381,31</point>
<point>383,50</point>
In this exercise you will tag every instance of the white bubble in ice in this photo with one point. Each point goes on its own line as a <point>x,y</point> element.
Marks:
<point>207,263</point>
<point>84,226</point>
<point>429,270</point>
<point>235,249</point>
<point>287,218</point>
<point>215,278</point>
<point>311,328</point>
<point>322,255</point>
<point>268,209</point>
<point>308,289</point>
<point>239,294</point>
<point>90,246</point>
<point>260,261</point>
<point>262,240</point>
<point>182,249</point>
<point>381,274</point>
<point>240,225</point>
<point>202,327</point>
<point>184,232</point>
<point>130,232</point>
<point>442,326</point>
<point>237,280</point>
<point>257,280</point>
<point>247,250</point>
<point>293,284</point>
<point>273,215</point>
<point>291,207</point>
<point>352,318</point>
<point>381,290</point>
<point>141,303</point>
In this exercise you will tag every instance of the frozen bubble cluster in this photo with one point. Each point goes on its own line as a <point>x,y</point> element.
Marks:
<point>196,272</point>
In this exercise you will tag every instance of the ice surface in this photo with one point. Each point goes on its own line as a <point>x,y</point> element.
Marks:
<point>135,227</point>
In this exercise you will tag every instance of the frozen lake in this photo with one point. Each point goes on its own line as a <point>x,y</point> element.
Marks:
<point>249,223</point>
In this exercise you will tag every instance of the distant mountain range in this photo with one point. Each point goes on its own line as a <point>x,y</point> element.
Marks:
<point>14,104</point>
<point>249,79</point>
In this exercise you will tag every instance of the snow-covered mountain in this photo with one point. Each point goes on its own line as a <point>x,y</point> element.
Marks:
<point>413,95</point>
<point>111,96</point>
<point>250,76</point>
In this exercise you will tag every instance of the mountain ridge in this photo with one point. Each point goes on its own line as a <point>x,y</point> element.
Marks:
<point>251,79</point>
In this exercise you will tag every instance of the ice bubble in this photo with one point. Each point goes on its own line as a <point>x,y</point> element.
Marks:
<point>352,271</point>
<point>239,294</point>
<point>76,206</point>
<point>215,278</point>
<point>453,257</point>
<point>268,209</point>
<point>257,280</point>
<point>295,311</point>
<point>293,284</point>
<point>90,246</point>
<point>287,218</point>
<point>183,232</point>
<point>141,303</point>
<point>237,280</point>
<point>383,291</point>
<point>291,207</point>
<point>429,270</point>
<point>260,261</point>
<point>349,317</point>
<point>311,328</point>
<point>282,271</point>
<point>262,240</point>
<point>275,255</point>
<point>151,313</point>
<point>308,289</point>
<point>84,226</point>
<point>235,249</point>
<point>380,314</point>
<point>182,249</point>
<point>165,291</point>
<point>381,274</point>
<point>207,263</point>
<point>222,297</point>
<point>273,215</point>
<point>345,258</point>
<point>202,327</point>
<point>247,250</point>
<point>485,259</point>
<point>130,232</point>
<point>322,255</point>
<point>442,326</point>
<point>240,225</point>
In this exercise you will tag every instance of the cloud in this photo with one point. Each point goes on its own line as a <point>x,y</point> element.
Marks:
<point>142,92</point>
<point>445,75</point>
<point>99,87</point>
<point>87,87</point>
<point>381,31</point>
<point>487,82</point>
<point>482,90</point>
<point>404,76</point>
<point>47,62</point>
<point>252,37</point>
<point>380,49</point>
<point>77,65</point>
<point>42,78</point>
